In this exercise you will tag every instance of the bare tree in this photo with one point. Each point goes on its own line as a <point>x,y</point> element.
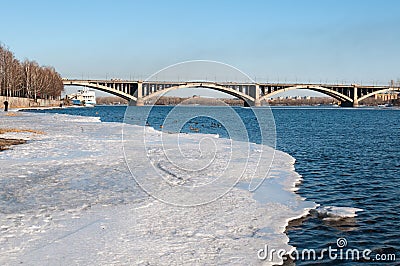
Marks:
<point>27,79</point>
<point>6,60</point>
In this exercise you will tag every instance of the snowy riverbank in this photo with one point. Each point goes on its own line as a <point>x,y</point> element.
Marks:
<point>68,197</point>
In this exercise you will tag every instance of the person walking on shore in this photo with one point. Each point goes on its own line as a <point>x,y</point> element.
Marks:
<point>5,106</point>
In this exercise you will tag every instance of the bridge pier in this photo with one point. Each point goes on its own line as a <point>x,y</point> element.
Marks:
<point>254,92</point>
<point>355,97</point>
<point>139,102</point>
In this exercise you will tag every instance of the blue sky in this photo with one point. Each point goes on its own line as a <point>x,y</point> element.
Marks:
<point>307,40</point>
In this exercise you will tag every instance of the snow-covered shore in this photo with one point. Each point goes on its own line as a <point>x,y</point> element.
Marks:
<point>67,197</point>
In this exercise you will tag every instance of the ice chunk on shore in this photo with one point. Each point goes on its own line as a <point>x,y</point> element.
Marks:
<point>333,212</point>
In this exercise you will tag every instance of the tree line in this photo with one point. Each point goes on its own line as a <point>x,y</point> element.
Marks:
<point>27,79</point>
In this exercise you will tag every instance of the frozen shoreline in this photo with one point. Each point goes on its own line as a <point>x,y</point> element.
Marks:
<point>69,198</point>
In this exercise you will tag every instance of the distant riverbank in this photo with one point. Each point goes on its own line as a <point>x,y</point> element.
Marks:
<point>205,101</point>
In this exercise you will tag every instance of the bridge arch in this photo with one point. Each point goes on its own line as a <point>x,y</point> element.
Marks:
<point>213,86</point>
<point>327,91</point>
<point>377,92</point>
<point>102,88</point>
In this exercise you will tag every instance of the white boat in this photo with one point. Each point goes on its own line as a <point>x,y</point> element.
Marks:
<point>83,97</point>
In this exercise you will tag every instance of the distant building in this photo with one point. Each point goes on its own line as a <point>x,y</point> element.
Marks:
<point>386,96</point>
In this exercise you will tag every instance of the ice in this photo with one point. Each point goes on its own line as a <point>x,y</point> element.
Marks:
<point>68,197</point>
<point>336,213</point>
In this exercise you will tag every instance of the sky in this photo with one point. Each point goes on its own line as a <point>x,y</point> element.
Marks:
<point>352,41</point>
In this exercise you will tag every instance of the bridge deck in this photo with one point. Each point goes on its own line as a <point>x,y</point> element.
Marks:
<point>273,84</point>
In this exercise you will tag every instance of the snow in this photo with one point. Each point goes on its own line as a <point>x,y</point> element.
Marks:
<point>74,195</point>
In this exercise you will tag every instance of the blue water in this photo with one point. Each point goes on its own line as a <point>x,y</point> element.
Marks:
<point>347,157</point>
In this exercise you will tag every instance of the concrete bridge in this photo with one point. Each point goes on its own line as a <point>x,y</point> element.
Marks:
<point>252,93</point>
